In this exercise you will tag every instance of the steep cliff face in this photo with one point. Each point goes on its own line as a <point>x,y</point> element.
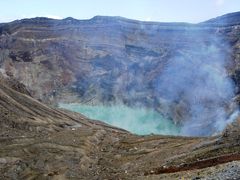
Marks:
<point>107,60</point>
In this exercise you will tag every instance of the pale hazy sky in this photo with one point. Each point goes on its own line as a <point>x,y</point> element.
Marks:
<point>147,10</point>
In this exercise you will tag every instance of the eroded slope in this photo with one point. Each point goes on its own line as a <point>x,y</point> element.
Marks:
<point>40,142</point>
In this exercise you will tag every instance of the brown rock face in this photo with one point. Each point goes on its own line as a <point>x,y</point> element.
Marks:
<point>107,60</point>
<point>104,59</point>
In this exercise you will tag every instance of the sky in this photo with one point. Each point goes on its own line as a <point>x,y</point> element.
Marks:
<point>192,11</point>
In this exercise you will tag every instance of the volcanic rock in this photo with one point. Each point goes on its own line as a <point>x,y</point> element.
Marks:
<point>40,142</point>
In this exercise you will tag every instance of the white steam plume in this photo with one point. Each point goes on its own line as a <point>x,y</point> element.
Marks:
<point>197,89</point>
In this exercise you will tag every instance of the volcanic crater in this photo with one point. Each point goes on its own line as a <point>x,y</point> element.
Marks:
<point>158,100</point>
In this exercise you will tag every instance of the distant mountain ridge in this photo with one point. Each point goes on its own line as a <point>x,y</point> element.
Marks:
<point>227,19</point>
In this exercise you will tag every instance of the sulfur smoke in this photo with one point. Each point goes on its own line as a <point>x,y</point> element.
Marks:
<point>195,90</point>
<point>185,80</point>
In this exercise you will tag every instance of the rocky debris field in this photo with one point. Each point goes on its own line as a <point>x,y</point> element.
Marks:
<point>40,142</point>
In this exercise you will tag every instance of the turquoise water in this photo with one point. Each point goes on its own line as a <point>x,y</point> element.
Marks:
<point>136,120</point>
